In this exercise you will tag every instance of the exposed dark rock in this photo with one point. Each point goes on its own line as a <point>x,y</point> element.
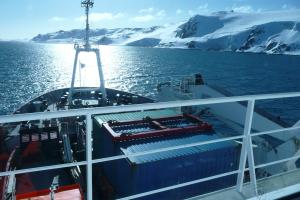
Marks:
<point>191,44</point>
<point>251,39</point>
<point>169,44</point>
<point>145,42</point>
<point>199,26</point>
<point>271,45</point>
<point>105,41</point>
<point>281,48</point>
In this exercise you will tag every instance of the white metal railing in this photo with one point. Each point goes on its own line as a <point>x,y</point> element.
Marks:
<point>180,82</point>
<point>246,152</point>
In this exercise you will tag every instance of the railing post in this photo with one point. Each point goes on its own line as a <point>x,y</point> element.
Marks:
<point>247,151</point>
<point>73,76</point>
<point>89,166</point>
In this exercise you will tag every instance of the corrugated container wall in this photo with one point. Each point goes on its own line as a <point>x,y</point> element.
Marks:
<point>144,173</point>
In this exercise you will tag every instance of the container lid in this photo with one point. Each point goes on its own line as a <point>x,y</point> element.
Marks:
<point>172,142</point>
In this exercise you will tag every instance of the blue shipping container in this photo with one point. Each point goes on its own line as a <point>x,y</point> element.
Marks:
<point>154,171</point>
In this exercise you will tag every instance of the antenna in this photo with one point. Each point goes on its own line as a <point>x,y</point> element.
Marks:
<point>87,4</point>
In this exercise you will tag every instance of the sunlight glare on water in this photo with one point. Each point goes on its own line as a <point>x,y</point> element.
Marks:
<point>87,74</point>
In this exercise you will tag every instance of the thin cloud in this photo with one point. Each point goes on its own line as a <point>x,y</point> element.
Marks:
<point>155,15</point>
<point>97,17</point>
<point>161,13</point>
<point>243,9</point>
<point>288,7</point>
<point>191,12</point>
<point>57,19</point>
<point>144,18</point>
<point>260,10</point>
<point>178,11</point>
<point>146,10</point>
<point>203,7</point>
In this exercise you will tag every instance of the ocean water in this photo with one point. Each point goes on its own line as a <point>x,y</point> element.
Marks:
<point>28,70</point>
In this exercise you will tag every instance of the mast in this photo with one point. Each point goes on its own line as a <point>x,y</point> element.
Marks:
<point>87,4</point>
<point>86,47</point>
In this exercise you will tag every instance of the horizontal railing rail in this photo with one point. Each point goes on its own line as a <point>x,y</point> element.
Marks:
<point>138,107</point>
<point>44,168</point>
<point>246,152</point>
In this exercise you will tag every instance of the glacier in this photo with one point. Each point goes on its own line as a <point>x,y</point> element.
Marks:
<point>272,32</point>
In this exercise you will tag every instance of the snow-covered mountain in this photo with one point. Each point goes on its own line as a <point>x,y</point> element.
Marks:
<point>269,32</point>
<point>98,36</point>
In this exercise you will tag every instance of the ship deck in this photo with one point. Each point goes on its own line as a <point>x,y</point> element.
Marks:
<point>88,97</point>
<point>272,187</point>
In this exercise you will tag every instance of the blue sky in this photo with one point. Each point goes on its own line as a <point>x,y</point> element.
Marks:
<point>23,19</point>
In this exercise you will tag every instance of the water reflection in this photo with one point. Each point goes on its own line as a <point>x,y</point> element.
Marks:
<point>87,73</point>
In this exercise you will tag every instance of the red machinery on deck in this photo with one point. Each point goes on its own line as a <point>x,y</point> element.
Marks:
<point>158,127</point>
<point>70,192</point>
